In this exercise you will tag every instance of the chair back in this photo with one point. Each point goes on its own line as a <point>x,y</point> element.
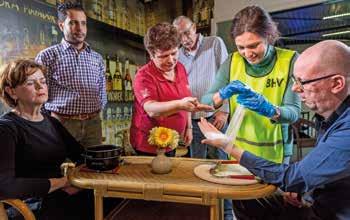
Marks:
<point>304,134</point>
<point>17,204</point>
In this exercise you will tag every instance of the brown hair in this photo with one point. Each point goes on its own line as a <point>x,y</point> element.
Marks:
<point>14,74</point>
<point>162,36</point>
<point>64,7</point>
<point>256,20</point>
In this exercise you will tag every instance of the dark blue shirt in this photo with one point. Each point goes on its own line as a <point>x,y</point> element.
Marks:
<point>324,172</point>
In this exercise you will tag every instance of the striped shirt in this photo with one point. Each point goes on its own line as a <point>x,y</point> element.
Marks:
<point>76,79</point>
<point>201,67</point>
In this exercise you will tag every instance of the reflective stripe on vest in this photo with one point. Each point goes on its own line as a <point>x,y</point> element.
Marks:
<point>257,134</point>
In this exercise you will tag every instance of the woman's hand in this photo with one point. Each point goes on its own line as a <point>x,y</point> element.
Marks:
<point>188,137</point>
<point>58,183</point>
<point>71,190</point>
<point>235,87</point>
<point>258,103</point>
<point>191,104</point>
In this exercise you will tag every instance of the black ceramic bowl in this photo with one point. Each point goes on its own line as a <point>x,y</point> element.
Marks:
<point>103,157</point>
<point>108,163</point>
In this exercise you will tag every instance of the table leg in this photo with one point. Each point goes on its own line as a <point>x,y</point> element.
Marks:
<point>215,211</point>
<point>221,209</point>
<point>98,205</point>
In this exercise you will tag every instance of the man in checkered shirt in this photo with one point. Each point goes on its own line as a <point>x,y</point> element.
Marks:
<point>75,77</point>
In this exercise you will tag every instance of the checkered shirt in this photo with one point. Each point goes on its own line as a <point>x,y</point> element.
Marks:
<point>76,80</point>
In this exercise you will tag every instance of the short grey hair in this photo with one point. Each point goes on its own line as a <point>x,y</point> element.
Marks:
<point>181,18</point>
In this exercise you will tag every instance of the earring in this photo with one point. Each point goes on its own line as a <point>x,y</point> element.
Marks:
<point>15,100</point>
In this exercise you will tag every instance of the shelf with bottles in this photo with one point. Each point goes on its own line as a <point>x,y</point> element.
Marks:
<point>128,16</point>
<point>116,122</point>
<point>119,80</point>
<point>116,116</point>
<point>202,13</point>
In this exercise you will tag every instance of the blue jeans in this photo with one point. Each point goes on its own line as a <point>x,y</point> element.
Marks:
<point>33,204</point>
<point>199,150</point>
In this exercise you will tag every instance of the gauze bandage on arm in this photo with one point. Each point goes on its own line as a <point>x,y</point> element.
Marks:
<point>226,141</point>
<point>235,123</point>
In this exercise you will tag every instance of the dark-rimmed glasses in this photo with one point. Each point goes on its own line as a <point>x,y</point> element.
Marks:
<point>301,83</point>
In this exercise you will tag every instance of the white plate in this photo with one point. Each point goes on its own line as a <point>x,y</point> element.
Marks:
<point>203,171</point>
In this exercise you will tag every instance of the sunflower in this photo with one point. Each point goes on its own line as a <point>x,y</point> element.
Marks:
<point>163,137</point>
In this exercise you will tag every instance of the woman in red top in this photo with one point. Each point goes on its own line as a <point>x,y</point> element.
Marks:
<point>162,94</point>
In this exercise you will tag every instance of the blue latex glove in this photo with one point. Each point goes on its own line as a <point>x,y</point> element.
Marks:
<point>256,102</point>
<point>235,87</point>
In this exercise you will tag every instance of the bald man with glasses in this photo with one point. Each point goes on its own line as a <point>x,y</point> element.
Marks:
<point>321,79</point>
<point>301,83</point>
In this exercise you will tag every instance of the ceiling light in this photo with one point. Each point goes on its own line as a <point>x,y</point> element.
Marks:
<point>336,33</point>
<point>336,16</point>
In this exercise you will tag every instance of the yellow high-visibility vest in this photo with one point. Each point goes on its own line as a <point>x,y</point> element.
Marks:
<point>257,134</point>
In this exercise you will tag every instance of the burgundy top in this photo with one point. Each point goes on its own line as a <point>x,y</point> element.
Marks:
<point>150,84</point>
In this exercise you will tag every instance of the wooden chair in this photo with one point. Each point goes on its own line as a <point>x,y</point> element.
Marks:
<point>304,135</point>
<point>17,204</point>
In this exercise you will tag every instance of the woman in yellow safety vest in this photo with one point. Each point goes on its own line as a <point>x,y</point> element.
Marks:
<point>260,74</point>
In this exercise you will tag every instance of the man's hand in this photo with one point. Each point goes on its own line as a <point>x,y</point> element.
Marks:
<point>256,102</point>
<point>220,119</point>
<point>235,87</point>
<point>204,107</point>
<point>292,199</point>
<point>214,137</point>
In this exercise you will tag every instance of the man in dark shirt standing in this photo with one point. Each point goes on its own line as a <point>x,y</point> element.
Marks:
<point>75,77</point>
<point>321,78</point>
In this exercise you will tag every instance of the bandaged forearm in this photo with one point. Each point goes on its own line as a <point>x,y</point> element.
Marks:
<point>221,141</point>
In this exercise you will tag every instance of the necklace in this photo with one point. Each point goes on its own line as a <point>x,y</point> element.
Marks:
<point>39,117</point>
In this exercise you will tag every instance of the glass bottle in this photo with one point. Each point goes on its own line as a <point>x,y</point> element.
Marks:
<point>110,132</point>
<point>111,18</point>
<point>127,82</point>
<point>26,40</point>
<point>103,126</point>
<point>97,9</point>
<point>109,85</point>
<point>118,81</point>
